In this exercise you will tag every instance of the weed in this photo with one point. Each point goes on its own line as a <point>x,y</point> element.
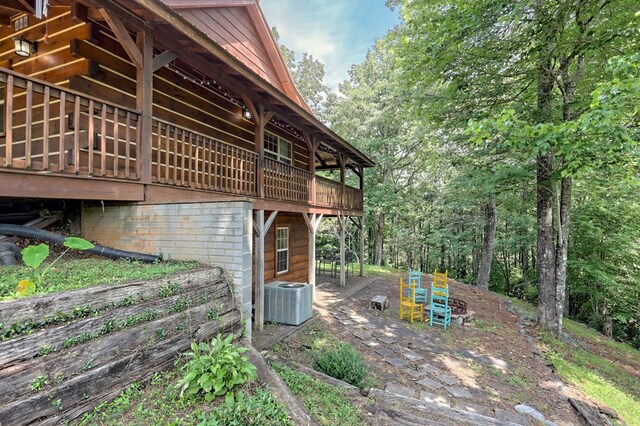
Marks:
<point>161,333</point>
<point>343,362</point>
<point>258,410</point>
<point>169,290</point>
<point>215,369</point>
<point>328,404</point>
<point>58,379</point>
<point>212,314</point>
<point>87,366</point>
<point>46,350</point>
<point>39,383</point>
<point>57,403</point>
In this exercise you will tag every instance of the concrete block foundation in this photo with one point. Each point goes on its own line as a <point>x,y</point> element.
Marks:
<point>216,233</point>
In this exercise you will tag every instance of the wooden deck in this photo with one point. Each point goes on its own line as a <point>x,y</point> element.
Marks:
<point>59,143</point>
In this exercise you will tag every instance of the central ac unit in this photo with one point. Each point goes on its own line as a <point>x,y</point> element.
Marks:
<point>288,303</point>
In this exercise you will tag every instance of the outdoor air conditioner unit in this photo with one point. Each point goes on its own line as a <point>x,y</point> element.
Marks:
<point>287,303</point>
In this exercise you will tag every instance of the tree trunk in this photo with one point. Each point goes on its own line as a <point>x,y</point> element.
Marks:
<point>562,246</point>
<point>546,254</point>
<point>487,244</point>
<point>378,238</point>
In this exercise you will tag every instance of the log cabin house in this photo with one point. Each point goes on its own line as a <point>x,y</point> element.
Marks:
<point>177,125</point>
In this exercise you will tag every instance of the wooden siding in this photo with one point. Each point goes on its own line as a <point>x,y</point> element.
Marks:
<point>52,62</point>
<point>298,249</point>
<point>233,29</point>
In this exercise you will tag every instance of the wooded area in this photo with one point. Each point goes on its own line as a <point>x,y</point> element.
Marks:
<point>506,142</point>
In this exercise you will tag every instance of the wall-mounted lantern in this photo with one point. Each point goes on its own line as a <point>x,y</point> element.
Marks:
<point>246,113</point>
<point>24,47</point>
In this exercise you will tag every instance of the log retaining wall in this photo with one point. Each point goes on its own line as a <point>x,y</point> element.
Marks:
<point>70,351</point>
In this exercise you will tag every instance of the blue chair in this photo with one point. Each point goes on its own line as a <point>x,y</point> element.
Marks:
<point>420,294</point>
<point>439,310</point>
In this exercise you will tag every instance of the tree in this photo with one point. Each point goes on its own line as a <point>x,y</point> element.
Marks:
<point>308,75</point>
<point>541,58</point>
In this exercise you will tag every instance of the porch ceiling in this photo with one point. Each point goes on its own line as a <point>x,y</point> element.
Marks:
<point>173,32</point>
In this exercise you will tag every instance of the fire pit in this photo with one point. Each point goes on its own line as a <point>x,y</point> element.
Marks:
<point>458,307</point>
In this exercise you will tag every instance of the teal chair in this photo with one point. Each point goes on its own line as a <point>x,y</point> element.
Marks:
<point>420,294</point>
<point>439,310</point>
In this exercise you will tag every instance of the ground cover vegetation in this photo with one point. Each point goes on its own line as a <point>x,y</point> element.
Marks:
<point>212,385</point>
<point>69,274</point>
<point>515,162</point>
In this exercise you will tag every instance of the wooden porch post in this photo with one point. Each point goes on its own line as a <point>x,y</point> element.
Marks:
<point>144,102</point>
<point>313,222</point>
<point>340,158</point>
<point>343,224</point>
<point>260,118</point>
<point>362,246</point>
<point>312,146</point>
<point>261,228</point>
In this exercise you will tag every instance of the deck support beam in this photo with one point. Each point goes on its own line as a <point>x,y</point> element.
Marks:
<point>342,223</point>
<point>144,102</point>
<point>261,228</point>
<point>313,221</point>
<point>362,246</point>
<point>260,117</point>
<point>341,162</point>
<point>312,145</point>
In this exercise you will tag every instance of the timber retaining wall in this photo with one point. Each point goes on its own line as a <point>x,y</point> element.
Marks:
<point>63,354</point>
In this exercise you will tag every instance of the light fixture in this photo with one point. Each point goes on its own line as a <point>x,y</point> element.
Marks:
<point>246,113</point>
<point>25,47</point>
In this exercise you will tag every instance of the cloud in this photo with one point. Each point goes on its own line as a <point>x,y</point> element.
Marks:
<point>338,33</point>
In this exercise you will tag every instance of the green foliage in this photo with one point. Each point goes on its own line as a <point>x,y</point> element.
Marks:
<point>258,410</point>
<point>215,369</point>
<point>342,362</point>
<point>79,273</point>
<point>33,256</point>
<point>39,383</point>
<point>329,405</point>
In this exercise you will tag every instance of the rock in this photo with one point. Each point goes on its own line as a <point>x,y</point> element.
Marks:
<point>525,409</point>
<point>509,416</point>
<point>549,423</point>
<point>608,411</point>
<point>458,392</point>
<point>398,389</point>
<point>431,384</point>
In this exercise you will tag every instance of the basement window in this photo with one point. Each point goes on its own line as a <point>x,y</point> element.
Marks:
<point>277,148</point>
<point>282,250</point>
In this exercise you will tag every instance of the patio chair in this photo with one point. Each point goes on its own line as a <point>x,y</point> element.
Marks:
<point>420,293</point>
<point>409,309</point>
<point>439,310</point>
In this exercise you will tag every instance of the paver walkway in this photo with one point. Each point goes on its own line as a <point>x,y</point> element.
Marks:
<point>401,346</point>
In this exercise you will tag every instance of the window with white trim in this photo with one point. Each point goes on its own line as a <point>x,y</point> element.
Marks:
<point>282,250</point>
<point>277,148</point>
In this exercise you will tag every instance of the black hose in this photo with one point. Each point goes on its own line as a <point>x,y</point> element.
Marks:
<point>50,237</point>
<point>9,254</point>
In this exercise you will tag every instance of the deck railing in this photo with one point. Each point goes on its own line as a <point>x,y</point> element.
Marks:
<point>47,127</point>
<point>286,183</point>
<point>44,127</point>
<point>181,157</point>
<point>330,194</point>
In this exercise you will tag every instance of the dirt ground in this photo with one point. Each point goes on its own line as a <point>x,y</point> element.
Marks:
<point>490,357</point>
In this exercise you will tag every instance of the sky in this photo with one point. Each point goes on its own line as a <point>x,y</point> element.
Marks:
<point>337,32</point>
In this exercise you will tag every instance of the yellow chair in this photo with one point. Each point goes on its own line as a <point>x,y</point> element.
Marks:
<point>440,280</point>
<point>409,309</point>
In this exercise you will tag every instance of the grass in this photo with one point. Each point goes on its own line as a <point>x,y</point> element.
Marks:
<point>158,403</point>
<point>328,404</point>
<point>79,273</point>
<point>599,367</point>
<point>381,271</point>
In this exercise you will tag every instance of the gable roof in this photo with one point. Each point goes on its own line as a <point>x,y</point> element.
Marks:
<point>239,26</point>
